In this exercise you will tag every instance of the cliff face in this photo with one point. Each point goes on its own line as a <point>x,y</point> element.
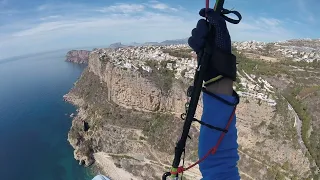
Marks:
<point>78,56</point>
<point>131,89</point>
<point>134,124</point>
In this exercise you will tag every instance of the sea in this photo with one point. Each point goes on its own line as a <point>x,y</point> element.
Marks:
<point>34,119</point>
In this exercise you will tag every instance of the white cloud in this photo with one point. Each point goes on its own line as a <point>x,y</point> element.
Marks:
<point>68,32</point>
<point>8,12</point>
<point>53,28</point>
<point>66,7</point>
<point>133,8</point>
<point>260,28</point>
<point>44,7</point>
<point>270,21</point>
<point>50,17</point>
<point>161,6</point>
<point>123,8</point>
<point>111,22</point>
<point>42,28</point>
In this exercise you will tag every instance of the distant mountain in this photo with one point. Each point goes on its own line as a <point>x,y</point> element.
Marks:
<point>166,42</point>
<point>117,45</point>
<point>151,44</point>
<point>175,41</point>
<point>135,44</point>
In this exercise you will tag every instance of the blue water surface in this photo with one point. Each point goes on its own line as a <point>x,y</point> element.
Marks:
<point>34,119</point>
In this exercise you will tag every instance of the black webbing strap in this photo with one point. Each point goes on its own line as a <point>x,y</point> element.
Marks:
<point>210,126</point>
<point>222,100</point>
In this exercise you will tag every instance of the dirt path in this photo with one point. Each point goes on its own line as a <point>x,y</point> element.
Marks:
<point>245,174</point>
<point>260,162</point>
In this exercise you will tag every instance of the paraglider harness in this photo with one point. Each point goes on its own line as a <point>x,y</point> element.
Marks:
<point>194,92</point>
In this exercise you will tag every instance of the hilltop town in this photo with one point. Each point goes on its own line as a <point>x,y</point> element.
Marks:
<point>298,50</point>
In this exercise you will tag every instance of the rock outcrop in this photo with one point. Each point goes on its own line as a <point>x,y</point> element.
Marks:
<point>78,56</point>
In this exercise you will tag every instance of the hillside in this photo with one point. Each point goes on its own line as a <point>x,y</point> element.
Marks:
<point>292,67</point>
<point>131,100</point>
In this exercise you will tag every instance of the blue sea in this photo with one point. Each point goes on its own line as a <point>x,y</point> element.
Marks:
<point>34,119</point>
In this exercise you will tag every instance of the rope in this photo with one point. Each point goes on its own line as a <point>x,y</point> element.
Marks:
<point>212,151</point>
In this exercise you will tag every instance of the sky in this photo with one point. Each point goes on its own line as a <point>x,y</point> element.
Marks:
<point>44,25</point>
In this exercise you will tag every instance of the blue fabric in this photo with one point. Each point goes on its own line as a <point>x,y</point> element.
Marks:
<point>223,164</point>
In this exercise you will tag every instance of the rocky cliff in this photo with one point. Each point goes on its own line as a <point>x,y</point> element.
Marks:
<point>78,56</point>
<point>129,104</point>
<point>133,123</point>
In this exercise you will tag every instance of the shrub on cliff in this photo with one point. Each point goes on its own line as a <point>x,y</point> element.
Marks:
<point>160,75</point>
<point>104,58</point>
<point>181,52</point>
<point>156,130</point>
<point>86,148</point>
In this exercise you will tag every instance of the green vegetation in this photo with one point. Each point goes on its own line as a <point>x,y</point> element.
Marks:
<point>287,130</point>
<point>307,91</point>
<point>152,63</point>
<point>86,148</point>
<point>302,88</point>
<point>282,105</point>
<point>161,76</point>
<point>284,66</point>
<point>310,140</point>
<point>272,129</point>
<point>303,64</point>
<point>183,72</point>
<point>301,110</point>
<point>315,64</point>
<point>181,52</point>
<point>165,79</point>
<point>259,67</point>
<point>275,173</point>
<point>122,156</point>
<point>104,58</point>
<point>267,49</point>
<point>286,166</point>
<point>281,126</point>
<point>74,133</point>
<point>142,138</point>
<point>238,86</point>
<point>157,128</point>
